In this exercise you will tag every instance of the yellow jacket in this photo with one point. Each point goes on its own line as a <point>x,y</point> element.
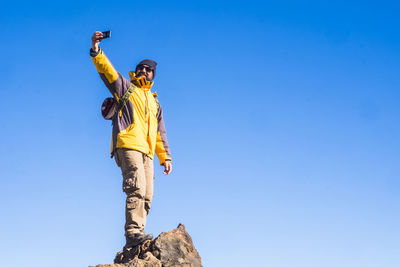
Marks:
<point>139,125</point>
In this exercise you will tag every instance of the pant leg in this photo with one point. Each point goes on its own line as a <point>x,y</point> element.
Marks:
<point>149,172</point>
<point>134,185</point>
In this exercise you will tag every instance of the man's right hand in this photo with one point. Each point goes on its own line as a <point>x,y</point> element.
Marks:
<point>96,39</point>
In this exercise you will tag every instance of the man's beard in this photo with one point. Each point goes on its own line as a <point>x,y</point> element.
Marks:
<point>140,74</point>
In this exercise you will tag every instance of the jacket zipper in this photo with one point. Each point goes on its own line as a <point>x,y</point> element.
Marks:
<point>147,118</point>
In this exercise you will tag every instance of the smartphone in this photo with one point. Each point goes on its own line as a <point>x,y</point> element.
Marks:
<point>106,34</point>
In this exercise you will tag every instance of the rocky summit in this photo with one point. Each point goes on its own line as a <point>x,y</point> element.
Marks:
<point>172,249</point>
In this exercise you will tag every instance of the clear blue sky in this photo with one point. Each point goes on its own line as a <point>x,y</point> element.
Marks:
<point>283,119</point>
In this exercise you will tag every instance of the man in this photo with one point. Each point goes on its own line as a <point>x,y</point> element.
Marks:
<point>138,132</point>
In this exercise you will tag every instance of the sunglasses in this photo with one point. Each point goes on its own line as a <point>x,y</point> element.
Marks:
<point>140,67</point>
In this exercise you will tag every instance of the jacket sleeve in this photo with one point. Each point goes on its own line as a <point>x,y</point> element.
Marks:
<point>162,147</point>
<point>114,81</point>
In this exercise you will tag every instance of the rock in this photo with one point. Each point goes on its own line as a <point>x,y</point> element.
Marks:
<point>175,248</point>
<point>172,249</point>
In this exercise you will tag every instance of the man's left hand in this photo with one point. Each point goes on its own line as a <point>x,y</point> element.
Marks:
<point>167,167</point>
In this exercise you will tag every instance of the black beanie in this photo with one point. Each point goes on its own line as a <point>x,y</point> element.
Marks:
<point>151,63</point>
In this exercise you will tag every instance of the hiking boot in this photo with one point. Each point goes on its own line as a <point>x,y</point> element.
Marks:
<point>137,239</point>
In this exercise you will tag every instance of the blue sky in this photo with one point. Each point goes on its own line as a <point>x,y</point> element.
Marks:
<point>283,119</point>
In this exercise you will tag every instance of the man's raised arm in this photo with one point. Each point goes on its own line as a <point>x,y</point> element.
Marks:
<point>114,81</point>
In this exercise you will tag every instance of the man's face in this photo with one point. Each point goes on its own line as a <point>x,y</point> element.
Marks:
<point>144,70</point>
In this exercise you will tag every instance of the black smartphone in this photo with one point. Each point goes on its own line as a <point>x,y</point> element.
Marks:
<point>106,34</point>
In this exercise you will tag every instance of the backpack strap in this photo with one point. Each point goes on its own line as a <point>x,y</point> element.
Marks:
<point>122,101</point>
<point>158,103</point>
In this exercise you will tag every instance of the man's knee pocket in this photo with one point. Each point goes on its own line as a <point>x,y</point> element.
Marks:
<point>130,180</point>
<point>132,202</point>
<point>130,185</point>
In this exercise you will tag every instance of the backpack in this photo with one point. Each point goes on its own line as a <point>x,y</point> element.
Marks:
<point>111,107</point>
